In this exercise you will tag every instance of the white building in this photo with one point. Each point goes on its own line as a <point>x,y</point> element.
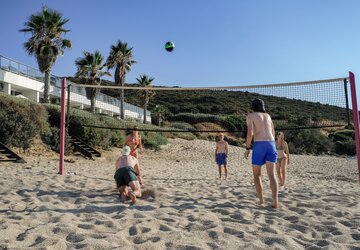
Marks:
<point>24,81</point>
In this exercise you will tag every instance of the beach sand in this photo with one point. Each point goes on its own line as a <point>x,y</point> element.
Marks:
<point>192,208</point>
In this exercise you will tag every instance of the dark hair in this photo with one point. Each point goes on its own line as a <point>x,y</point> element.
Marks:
<point>258,105</point>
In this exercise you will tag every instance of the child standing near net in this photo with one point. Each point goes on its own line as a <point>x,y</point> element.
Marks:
<point>221,152</point>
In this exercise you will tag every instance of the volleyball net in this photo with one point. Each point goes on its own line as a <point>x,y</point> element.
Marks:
<point>312,104</point>
<point>292,106</point>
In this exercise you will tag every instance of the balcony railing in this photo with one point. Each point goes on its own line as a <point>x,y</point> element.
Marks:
<point>33,73</point>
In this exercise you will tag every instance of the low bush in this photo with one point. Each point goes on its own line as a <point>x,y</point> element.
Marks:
<point>181,126</point>
<point>233,123</point>
<point>153,140</point>
<point>21,121</point>
<point>195,118</point>
<point>97,137</point>
<point>52,138</point>
<point>309,141</point>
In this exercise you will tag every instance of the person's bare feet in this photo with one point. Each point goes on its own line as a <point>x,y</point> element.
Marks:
<point>261,202</point>
<point>132,197</point>
<point>122,198</point>
<point>275,204</point>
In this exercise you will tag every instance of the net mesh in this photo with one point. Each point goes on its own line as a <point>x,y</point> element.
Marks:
<point>314,104</point>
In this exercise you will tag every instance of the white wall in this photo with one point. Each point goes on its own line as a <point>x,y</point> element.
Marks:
<point>33,89</point>
<point>20,81</point>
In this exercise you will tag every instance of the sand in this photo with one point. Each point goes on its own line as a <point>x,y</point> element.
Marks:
<point>192,208</point>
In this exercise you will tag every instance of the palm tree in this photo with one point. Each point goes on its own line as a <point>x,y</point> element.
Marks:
<point>89,71</point>
<point>145,94</point>
<point>46,42</point>
<point>159,112</point>
<point>120,58</point>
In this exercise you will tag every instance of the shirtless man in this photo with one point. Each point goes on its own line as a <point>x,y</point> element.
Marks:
<point>128,173</point>
<point>221,152</point>
<point>261,128</point>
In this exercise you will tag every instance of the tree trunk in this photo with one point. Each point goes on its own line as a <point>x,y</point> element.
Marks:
<point>159,121</point>
<point>120,80</point>
<point>145,106</point>
<point>122,108</point>
<point>47,86</point>
<point>93,104</point>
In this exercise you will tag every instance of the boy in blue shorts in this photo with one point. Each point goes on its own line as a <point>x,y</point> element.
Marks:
<point>221,152</point>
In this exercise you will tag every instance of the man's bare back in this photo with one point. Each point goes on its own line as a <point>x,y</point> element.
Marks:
<point>261,126</point>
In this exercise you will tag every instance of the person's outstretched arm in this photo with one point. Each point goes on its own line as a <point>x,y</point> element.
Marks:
<point>138,171</point>
<point>287,152</point>
<point>216,149</point>
<point>140,143</point>
<point>226,149</point>
<point>248,136</point>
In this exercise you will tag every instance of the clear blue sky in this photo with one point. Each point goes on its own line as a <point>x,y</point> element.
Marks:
<point>229,42</point>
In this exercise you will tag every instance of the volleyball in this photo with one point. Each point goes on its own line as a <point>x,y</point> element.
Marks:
<point>169,46</point>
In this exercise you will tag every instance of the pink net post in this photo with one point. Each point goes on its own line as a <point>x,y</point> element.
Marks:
<point>62,126</point>
<point>355,117</point>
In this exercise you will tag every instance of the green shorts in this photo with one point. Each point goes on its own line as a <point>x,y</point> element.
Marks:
<point>125,175</point>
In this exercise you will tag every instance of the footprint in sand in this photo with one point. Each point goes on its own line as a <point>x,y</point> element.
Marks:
<point>74,238</point>
<point>38,241</point>
<point>15,217</point>
<point>139,216</point>
<point>292,219</point>
<point>98,236</point>
<point>322,243</point>
<point>133,231</point>
<point>168,219</point>
<point>299,228</point>
<point>212,245</point>
<point>234,232</point>
<point>356,237</point>
<point>21,237</point>
<point>54,219</point>
<point>214,235</point>
<point>141,240</point>
<point>145,230</point>
<point>86,226</point>
<point>164,228</point>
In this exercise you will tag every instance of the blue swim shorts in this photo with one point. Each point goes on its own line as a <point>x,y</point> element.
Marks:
<point>264,151</point>
<point>221,159</point>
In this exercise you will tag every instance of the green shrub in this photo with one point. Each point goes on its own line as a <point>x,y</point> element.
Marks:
<point>309,141</point>
<point>195,118</point>
<point>233,123</point>
<point>339,137</point>
<point>21,120</point>
<point>181,126</point>
<point>344,142</point>
<point>153,140</point>
<point>52,138</point>
<point>350,134</point>
<point>98,137</point>
<point>183,135</point>
<point>345,148</point>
